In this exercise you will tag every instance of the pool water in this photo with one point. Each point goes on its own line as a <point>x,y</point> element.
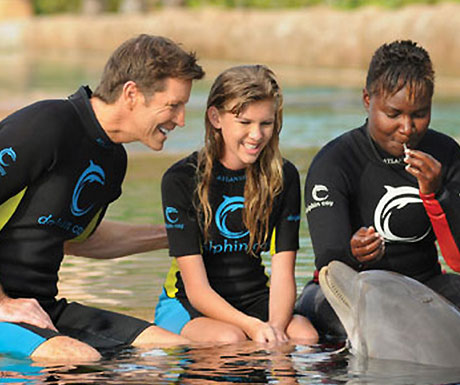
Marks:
<point>244,363</point>
<point>313,116</point>
<point>132,285</point>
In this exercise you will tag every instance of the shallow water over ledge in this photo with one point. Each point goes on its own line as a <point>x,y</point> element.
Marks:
<point>247,363</point>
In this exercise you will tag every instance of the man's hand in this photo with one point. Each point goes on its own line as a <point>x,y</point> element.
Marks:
<point>26,310</point>
<point>426,169</point>
<point>367,245</point>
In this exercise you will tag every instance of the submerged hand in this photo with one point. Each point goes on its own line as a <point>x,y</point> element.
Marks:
<point>426,169</point>
<point>265,332</point>
<point>26,310</point>
<point>280,334</point>
<point>367,245</point>
<point>260,331</point>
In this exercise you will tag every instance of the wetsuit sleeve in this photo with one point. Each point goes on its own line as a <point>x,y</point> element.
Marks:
<point>328,211</point>
<point>179,214</point>
<point>443,209</point>
<point>287,227</point>
<point>27,150</point>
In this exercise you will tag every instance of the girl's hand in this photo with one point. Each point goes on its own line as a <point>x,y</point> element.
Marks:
<point>260,331</point>
<point>280,333</point>
<point>265,332</point>
<point>426,169</point>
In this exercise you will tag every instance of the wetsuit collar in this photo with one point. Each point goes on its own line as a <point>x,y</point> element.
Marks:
<point>223,174</point>
<point>377,154</point>
<point>81,102</point>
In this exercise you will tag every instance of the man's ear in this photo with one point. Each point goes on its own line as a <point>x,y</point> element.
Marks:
<point>214,117</point>
<point>366,99</point>
<point>130,94</point>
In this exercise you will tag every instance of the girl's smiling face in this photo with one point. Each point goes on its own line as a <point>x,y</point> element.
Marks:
<point>244,135</point>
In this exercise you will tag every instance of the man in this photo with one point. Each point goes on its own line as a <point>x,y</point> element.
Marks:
<point>61,164</point>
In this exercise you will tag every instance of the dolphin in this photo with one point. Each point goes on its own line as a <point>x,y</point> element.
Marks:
<point>390,316</point>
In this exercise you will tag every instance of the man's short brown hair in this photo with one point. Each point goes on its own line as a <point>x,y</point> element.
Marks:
<point>147,60</point>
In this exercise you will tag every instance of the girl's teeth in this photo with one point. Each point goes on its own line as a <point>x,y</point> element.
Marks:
<point>251,146</point>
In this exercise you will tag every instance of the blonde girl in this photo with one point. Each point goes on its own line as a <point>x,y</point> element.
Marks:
<point>224,206</point>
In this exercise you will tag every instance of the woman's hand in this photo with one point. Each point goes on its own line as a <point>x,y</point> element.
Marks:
<point>426,169</point>
<point>367,245</point>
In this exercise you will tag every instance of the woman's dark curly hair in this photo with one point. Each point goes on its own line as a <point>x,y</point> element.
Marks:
<point>397,65</point>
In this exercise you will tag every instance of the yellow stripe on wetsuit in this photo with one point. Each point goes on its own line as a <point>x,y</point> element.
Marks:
<point>8,208</point>
<point>273,243</point>
<point>171,279</point>
<point>89,229</point>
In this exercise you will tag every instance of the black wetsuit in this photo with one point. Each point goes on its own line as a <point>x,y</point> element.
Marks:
<point>353,183</point>
<point>58,173</point>
<point>234,274</point>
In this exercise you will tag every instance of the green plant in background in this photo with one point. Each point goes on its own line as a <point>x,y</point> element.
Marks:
<point>254,3</point>
<point>76,6</point>
<point>346,4</point>
<point>349,4</point>
<point>55,6</point>
<point>71,6</point>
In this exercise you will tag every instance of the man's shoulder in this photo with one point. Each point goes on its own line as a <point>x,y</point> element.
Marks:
<point>48,122</point>
<point>49,108</point>
<point>46,114</point>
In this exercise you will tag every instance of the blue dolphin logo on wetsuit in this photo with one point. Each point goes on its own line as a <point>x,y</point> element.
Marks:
<point>229,205</point>
<point>3,163</point>
<point>93,174</point>
<point>171,211</point>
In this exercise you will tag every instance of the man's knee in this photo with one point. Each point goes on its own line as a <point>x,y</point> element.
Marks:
<point>63,348</point>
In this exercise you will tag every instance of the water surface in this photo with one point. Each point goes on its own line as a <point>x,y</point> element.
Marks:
<point>313,116</point>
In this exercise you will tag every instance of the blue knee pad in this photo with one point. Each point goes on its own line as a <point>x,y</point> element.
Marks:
<point>170,314</point>
<point>17,340</point>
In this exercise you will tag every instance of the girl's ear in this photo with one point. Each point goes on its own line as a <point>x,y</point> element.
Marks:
<point>214,117</point>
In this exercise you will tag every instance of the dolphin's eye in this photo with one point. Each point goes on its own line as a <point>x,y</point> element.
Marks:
<point>427,299</point>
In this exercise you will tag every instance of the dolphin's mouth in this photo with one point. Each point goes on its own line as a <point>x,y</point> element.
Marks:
<point>327,284</point>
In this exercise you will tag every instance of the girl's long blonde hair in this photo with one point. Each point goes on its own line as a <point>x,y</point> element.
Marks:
<point>233,90</point>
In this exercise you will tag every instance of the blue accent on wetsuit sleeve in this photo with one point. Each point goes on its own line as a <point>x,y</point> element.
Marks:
<point>16,340</point>
<point>170,314</point>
